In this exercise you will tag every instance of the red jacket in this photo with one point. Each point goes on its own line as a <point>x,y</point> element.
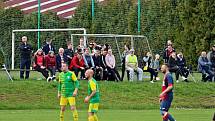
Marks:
<point>50,61</point>
<point>39,60</point>
<point>76,63</point>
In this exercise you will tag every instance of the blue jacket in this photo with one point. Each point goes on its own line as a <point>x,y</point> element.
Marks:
<point>203,62</point>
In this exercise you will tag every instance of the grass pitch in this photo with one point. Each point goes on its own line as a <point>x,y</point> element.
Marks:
<point>106,115</point>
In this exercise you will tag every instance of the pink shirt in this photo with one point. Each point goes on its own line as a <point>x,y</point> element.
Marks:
<point>110,60</point>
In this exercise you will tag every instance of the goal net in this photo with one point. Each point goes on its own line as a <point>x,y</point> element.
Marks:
<point>117,42</point>
<point>59,39</point>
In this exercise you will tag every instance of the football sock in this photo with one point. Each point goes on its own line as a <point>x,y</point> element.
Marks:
<point>91,118</point>
<point>95,118</point>
<point>170,117</point>
<point>61,115</point>
<point>75,115</point>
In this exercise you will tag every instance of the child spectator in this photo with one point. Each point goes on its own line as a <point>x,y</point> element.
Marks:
<point>50,60</point>
<point>39,63</point>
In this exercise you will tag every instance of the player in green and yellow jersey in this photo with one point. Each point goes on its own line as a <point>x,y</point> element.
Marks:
<point>93,96</point>
<point>67,91</point>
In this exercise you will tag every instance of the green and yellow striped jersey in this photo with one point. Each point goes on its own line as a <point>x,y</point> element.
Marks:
<point>93,85</point>
<point>67,83</point>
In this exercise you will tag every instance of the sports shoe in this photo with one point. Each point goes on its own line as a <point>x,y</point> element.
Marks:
<point>49,79</point>
<point>177,81</point>
<point>157,79</point>
<point>183,78</point>
<point>152,81</point>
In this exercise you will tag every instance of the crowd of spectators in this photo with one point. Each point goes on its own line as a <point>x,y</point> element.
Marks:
<point>101,59</point>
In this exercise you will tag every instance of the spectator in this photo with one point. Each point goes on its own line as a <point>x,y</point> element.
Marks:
<point>51,65</point>
<point>204,66</point>
<point>182,66</point>
<point>81,45</point>
<point>211,57</point>
<point>92,47</point>
<point>60,58</point>
<point>111,66</point>
<point>173,66</point>
<point>39,63</point>
<point>103,63</point>
<point>156,65</point>
<point>25,54</point>
<point>69,52</point>
<point>132,66</point>
<point>48,46</point>
<point>98,65</point>
<point>77,64</point>
<point>124,54</point>
<point>147,61</point>
<point>168,51</point>
<point>88,60</point>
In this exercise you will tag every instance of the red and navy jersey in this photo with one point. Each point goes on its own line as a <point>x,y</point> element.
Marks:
<point>167,81</point>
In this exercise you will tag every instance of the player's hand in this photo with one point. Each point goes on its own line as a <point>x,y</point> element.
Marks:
<point>58,95</point>
<point>74,94</point>
<point>161,95</point>
<point>86,100</point>
<point>160,99</point>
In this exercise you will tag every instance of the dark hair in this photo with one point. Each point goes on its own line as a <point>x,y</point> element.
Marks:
<point>128,46</point>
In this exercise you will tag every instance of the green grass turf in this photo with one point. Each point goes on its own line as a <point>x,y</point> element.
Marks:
<point>33,94</point>
<point>106,115</point>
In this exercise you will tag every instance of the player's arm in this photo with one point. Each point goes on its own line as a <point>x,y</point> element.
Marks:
<point>93,88</point>
<point>76,84</point>
<point>59,89</point>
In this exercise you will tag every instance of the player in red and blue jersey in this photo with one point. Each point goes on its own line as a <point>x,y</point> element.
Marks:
<point>166,96</point>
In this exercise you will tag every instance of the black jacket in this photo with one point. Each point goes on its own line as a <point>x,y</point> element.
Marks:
<point>181,62</point>
<point>46,48</point>
<point>97,61</point>
<point>25,51</point>
<point>172,62</point>
<point>58,61</point>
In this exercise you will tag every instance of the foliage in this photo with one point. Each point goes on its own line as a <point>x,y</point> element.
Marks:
<point>188,23</point>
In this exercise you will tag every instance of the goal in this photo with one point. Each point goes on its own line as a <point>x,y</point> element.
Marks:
<point>138,42</point>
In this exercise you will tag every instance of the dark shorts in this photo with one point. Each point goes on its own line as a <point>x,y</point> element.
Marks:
<point>166,104</point>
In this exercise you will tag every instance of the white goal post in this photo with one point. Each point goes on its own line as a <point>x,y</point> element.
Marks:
<point>138,42</point>
<point>41,30</point>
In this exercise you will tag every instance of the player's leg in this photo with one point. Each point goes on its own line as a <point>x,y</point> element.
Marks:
<point>63,103</point>
<point>73,108</point>
<point>164,107</point>
<point>93,109</point>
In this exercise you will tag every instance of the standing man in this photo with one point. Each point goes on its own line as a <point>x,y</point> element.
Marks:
<point>93,96</point>
<point>67,91</point>
<point>48,46</point>
<point>69,52</point>
<point>166,96</point>
<point>25,53</point>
